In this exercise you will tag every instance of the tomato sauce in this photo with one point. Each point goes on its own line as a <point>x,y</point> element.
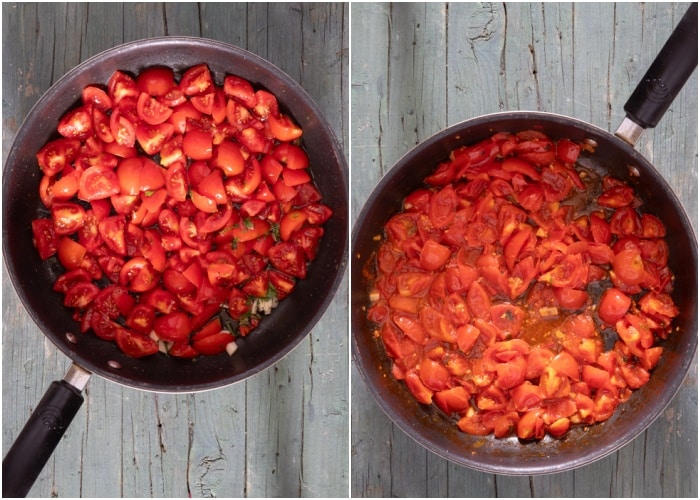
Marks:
<point>520,293</point>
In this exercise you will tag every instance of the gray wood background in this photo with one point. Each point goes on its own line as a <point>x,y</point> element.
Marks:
<point>417,68</point>
<point>283,432</point>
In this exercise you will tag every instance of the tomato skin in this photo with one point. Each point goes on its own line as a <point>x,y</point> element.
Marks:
<point>613,306</point>
<point>156,80</point>
<point>568,151</point>
<point>629,266</point>
<point>213,344</point>
<point>135,344</point>
<point>442,207</point>
<point>228,157</point>
<point>433,255</point>
<point>172,327</point>
<point>291,222</point>
<point>570,298</point>
<point>283,128</point>
<point>71,254</point>
<point>197,144</point>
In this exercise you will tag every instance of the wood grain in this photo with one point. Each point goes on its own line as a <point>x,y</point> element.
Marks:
<point>283,432</point>
<point>420,67</point>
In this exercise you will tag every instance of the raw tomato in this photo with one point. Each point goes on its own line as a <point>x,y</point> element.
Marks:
<point>183,195</point>
<point>156,80</point>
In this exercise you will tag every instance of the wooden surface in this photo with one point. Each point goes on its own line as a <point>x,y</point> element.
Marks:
<point>417,68</point>
<point>283,432</point>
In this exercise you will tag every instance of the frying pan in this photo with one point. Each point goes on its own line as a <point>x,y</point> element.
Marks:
<point>613,154</point>
<point>277,334</point>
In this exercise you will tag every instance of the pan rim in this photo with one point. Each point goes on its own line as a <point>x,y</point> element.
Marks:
<point>296,91</point>
<point>363,361</point>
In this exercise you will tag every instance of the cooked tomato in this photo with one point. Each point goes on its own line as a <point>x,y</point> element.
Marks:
<point>485,285</point>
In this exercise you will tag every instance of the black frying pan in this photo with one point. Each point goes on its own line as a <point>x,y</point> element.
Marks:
<point>277,334</point>
<point>613,155</point>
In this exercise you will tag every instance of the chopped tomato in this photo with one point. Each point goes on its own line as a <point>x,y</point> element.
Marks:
<point>45,239</point>
<point>196,80</point>
<point>283,128</point>
<point>151,110</point>
<point>156,187</point>
<point>54,156</point>
<point>76,124</point>
<point>156,80</point>
<point>486,283</point>
<point>135,344</point>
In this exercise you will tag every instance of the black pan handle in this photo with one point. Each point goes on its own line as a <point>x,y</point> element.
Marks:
<point>667,74</point>
<point>42,433</point>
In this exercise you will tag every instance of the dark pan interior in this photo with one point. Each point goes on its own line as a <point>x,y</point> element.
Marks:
<point>278,333</point>
<point>430,427</point>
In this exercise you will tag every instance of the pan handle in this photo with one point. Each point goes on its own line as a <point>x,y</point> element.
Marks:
<point>42,432</point>
<point>664,79</point>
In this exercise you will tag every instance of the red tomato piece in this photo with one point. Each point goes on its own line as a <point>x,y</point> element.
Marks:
<point>228,157</point>
<point>291,222</point>
<point>156,80</point>
<point>76,124</point>
<point>54,156</point>
<point>213,344</point>
<point>135,344</point>
<point>196,80</point>
<point>151,110</point>
<point>283,128</point>
<point>197,144</point>
<point>172,327</point>
<point>433,255</point>
<point>240,89</point>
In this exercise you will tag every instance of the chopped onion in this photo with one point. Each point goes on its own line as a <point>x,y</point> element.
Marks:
<point>231,348</point>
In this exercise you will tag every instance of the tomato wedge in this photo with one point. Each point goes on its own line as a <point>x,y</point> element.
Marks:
<point>170,197</point>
